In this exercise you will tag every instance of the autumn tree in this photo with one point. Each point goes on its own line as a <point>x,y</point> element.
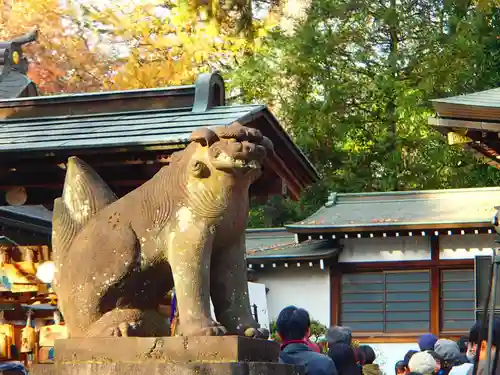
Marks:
<point>160,43</point>
<point>63,59</point>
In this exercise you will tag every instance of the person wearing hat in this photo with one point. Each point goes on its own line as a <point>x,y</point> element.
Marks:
<point>423,363</point>
<point>449,354</point>
<point>401,368</point>
<point>339,335</point>
<point>427,342</point>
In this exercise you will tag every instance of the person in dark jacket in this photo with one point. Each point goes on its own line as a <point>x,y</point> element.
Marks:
<point>344,359</point>
<point>480,348</point>
<point>294,329</point>
<point>370,367</point>
<point>359,356</point>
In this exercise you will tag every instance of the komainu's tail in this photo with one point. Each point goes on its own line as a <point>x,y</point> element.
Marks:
<point>84,195</point>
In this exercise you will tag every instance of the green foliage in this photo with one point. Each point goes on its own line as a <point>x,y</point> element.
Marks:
<point>353,86</point>
<point>317,330</point>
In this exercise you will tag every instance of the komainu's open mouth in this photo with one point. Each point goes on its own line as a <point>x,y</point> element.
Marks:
<point>227,161</point>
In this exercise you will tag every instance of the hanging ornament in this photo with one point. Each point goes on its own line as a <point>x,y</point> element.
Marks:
<point>28,336</point>
<point>6,337</point>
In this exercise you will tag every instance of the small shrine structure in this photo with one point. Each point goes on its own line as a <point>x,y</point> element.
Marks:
<point>472,121</point>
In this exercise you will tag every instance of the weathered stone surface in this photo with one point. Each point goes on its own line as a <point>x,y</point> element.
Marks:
<point>151,368</point>
<point>117,258</point>
<point>43,369</point>
<point>167,349</point>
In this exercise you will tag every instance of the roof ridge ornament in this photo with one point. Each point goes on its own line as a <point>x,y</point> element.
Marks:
<point>209,92</point>
<point>11,53</point>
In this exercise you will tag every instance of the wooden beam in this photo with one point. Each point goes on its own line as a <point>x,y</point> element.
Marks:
<point>93,157</point>
<point>393,339</point>
<point>104,103</point>
<point>335,288</point>
<point>457,123</point>
<point>435,297</point>
<point>406,265</point>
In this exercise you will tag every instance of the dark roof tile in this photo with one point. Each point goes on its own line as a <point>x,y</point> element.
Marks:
<point>307,250</point>
<point>419,209</point>
<point>136,128</point>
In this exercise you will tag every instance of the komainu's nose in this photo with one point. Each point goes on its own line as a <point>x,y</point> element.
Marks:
<point>249,148</point>
<point>253,151</point>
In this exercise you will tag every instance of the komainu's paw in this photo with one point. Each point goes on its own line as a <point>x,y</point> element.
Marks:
<point>124,329</point>
<point>215,330</point>
<point>209,329</point>
<point>258,333</point>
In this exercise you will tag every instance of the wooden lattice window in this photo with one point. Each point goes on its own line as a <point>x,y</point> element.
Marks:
<point>386,302</point>
<point>457,300</point>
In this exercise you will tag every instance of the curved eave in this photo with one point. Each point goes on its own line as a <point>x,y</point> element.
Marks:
<point>312,173</point>
<point>13,219</point>
<point>384,227</point>
<point>291,258</point>
<point>479,145</point>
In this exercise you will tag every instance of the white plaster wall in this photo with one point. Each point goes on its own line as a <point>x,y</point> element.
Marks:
<point>465,247</point>
<point>257,296</point>
<point>308,288</point>
<point>389,354</point>
<point>384,249</point>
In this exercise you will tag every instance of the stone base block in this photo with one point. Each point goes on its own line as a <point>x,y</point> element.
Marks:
<point>152,368</point>
<point>166,349</point>
<point>43,369</point>
<point>226,355</point>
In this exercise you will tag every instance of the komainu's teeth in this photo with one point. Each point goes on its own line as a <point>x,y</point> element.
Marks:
<point>253,164</point>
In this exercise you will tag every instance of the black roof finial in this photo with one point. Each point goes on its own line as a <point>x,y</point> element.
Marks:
<point>11,53</point>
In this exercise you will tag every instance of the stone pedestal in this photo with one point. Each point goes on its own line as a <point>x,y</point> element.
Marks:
<point>226,355</point>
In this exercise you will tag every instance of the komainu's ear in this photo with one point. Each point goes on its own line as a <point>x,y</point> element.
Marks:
<point>239,132</point>
<point>204,136</point>
<point>268,145</point>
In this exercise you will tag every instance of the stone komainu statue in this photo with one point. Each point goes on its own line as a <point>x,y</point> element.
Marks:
<point>116,258</point>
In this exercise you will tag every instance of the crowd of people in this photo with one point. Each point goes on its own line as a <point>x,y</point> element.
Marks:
<point>435,357</point>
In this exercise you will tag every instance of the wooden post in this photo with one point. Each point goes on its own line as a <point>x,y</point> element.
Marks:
<point>335,303</point>
<point>435,288</point>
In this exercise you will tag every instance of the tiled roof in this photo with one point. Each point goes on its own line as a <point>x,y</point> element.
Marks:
<point>264,238</point>
<point>411,209</point>
<point>487,98</point>
<point>307,250</point>
<point>34,212</point>
<point>134,128</point>
<point>483,105</point>
<point>31,218</point>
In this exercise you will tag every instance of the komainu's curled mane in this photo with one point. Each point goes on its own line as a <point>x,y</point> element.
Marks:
<point>117,258</point>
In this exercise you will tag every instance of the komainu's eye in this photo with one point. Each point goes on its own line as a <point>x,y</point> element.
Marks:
<point>198,168</point>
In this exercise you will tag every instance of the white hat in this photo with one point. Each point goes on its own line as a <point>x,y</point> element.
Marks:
<point>423,363</point>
